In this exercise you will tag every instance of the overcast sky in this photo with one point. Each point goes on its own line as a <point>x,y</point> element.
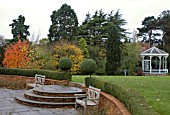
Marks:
<point>37,12</point>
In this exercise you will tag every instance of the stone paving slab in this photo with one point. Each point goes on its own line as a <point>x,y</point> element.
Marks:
<point>8,106</point>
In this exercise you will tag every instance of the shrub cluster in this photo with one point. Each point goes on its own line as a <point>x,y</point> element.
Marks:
<point>133,101</point>
<point>31,73</point>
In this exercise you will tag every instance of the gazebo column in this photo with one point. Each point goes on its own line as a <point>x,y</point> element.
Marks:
<point>150,64</point>
<point>143,63</point>
<point>163,63</point>
<point>159,64</point>
<point>166,63</point>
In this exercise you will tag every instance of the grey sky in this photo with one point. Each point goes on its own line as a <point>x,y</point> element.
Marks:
<point>37,12</point>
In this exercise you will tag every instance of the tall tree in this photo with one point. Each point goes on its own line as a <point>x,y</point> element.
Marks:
<point>64,24</point>
<point>149,31</point>
<point>164,21</point>
<point>164,24</point>
<point>113,44</point>
<point>19,29</point>
<point>93,28</point>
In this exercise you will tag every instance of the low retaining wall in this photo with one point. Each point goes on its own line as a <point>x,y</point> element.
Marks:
<point>112,106</point>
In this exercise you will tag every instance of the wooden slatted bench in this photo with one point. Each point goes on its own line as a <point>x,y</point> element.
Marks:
<point>38,81</point>
<point>91,98</point>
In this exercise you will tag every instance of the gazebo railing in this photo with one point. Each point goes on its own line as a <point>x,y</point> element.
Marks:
<point>157,71</point>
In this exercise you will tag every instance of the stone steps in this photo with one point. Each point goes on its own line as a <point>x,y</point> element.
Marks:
<point>30,95</point>
<point>21,99</point>
<point>50,96</point>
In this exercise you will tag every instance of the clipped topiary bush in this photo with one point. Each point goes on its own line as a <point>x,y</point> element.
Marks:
<point>88,67</point>
<point>65,63</point>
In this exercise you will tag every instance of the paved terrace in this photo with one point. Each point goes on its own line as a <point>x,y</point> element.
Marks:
<point>8,106</point>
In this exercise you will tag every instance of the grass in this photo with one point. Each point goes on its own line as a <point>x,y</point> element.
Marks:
<point>79,78</point>
<point>155,89</point>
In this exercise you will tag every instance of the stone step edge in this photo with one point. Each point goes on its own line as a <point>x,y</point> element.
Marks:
<point>26,101</point>
<point>56,94</point>
<point>32,94</point>
<point>38,90</point>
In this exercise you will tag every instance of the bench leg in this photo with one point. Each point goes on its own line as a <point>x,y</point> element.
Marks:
<point>85,110</point>
<point>75,105</point>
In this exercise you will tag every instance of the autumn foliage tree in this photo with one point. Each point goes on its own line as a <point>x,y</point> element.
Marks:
<point>40,57</point>
<point>37,57</point>
<point>66,49</point>
<point>16,55</point>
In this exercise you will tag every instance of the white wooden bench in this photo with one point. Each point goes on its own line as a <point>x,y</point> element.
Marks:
<point>91,98</point>
<point>38,81</point>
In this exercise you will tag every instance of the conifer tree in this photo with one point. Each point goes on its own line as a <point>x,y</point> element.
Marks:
<point>113,44</point>
<point>19,29</point>
<point>64,24</point>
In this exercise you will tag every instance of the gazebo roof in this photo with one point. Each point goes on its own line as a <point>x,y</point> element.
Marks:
<point>153,51</point>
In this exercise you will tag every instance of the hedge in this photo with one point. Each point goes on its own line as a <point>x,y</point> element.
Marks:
<point>31,73</point>
<point>134,102</point>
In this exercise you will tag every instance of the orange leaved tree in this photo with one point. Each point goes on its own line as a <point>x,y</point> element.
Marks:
<point>16,55</point>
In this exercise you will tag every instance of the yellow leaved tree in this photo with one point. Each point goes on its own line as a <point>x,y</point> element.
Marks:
<point>65,49</point>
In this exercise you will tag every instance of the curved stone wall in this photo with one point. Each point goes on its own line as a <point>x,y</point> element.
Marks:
<point>111,105</point>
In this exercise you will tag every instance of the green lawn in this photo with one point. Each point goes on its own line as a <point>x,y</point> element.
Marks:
<point>79,78</point>
<point>155,89</point>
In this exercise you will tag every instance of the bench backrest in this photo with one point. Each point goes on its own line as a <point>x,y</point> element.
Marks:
<point>39,79</point>
<point>93,93</point>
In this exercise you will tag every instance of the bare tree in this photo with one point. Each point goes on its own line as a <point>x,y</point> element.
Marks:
<point>2,40</point>
<point>35,38</point>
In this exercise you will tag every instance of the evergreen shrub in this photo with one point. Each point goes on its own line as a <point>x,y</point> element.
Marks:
<point>88,67</point>
<point>65,63</point>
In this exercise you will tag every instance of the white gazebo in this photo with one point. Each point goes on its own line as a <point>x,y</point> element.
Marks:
<point>154,61</point>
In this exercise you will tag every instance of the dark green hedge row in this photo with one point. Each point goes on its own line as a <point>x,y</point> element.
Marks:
<point>134,102</point>
<point>31,73</point>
